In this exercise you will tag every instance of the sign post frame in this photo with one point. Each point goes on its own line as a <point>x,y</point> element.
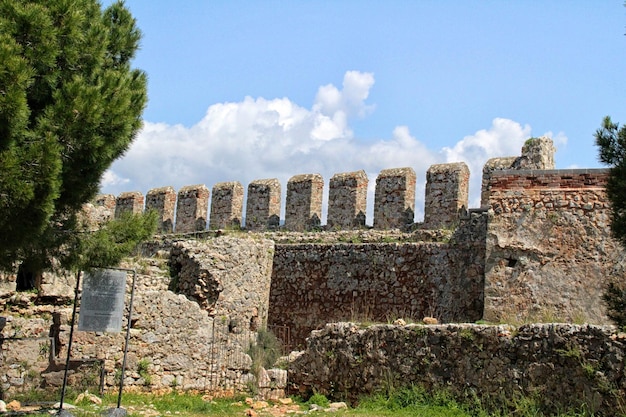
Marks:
<point>116,411</point>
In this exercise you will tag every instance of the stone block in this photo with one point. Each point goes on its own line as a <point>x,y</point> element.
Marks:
<point>163,200</point>
<point>106,200</point>
<point>347,200</point>
<point>537,154</point>
<point>303,208</point>
<point>263,205</point>
<point>129,202</point>
<point>447,194</point>
<point>192,209</point>
<point>394,199</point>
<point>226,205</point>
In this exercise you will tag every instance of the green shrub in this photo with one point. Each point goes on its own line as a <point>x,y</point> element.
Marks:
<point>318,399</point>
<point>265,351</point>
<point>615,298</point>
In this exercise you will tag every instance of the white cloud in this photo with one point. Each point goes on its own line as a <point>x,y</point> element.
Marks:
<point>261,138</point>
<point>349,101</point>
<point>110,179</point>
<point>504,138</point>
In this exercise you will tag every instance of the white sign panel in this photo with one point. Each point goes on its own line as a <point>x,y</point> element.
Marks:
<point>102,301</point>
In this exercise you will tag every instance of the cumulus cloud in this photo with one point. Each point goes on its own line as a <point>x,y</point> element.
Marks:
<point>276,138</point>
<point>110,179</point>
<point>504,138</point>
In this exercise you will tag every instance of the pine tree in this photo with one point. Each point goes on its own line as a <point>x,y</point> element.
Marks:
<point>70,104</point>
<point>611,141</point>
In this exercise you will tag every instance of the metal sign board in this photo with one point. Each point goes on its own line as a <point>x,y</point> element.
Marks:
<point>102,301</point>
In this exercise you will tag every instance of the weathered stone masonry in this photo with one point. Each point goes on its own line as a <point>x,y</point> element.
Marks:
<point>263,205</point>
<point>538,249</point>
<point>227,205</point>
<point>197,339</point>
<point>313,284</point>
<point>394,206</point>
<point>192,208</point>
<point>303,208</point>
<point>549,249</point>
<point>560,366</point>
<point>347,200</point>
<point>163,200</point>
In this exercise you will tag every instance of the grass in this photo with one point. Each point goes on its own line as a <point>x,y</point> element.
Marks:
<point>412,401</point>
<point>405,402</point>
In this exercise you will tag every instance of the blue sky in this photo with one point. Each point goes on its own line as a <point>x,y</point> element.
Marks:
<point>243,90</point>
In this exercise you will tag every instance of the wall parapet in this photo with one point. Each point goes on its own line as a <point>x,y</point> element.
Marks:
<point>394,204</point>
<point>552,178</point>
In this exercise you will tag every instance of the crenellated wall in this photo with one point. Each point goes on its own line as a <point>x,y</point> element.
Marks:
<point>538,250</point>
<point>394,206</point>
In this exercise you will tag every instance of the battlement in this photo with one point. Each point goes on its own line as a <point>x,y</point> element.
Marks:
<point>394,206</point>
<point>445,202</point>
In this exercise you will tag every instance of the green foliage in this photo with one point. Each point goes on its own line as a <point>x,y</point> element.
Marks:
<point>142,370</point>
<point>318,399</point>
<point>70,104</point>
<point>265,352</point>
<point>113,241</point>
<point>412,400</point>
<point>415,400</point>
<point>611,141</point>
<point>615,298</point>
<point>142,366</point>
<point>185,404</point>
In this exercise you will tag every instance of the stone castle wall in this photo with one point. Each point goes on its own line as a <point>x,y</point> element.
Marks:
<point>561,367</point>
<point>549,247</point>
<point>394,205</point>
<point>538,249</point>
<point>196,337</point>
<point>314,284</point>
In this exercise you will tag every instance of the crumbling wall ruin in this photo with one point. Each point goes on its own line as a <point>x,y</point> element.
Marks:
<point>314,284</point>
<point>549,248</point>
<point>538,249</point>
<point>190,338</point>
<point>559,366</point>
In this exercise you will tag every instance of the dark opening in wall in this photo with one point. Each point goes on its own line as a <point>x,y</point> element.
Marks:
<point>26,279</point>
<point>511,262</point>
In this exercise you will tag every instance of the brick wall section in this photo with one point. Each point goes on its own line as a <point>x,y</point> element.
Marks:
<point>394,199</point>
<point>226,205</point>
<point>537,154</point>
<point>163,200</point>
<point>493,164</point>
<point>132,201</point>
<point>263,205</point>
<point>447,194</point>
<point>549,249</point>
<point>303,208</point>
<point>347,200</point>
<point>513,180</point>
<point>192,208</point>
